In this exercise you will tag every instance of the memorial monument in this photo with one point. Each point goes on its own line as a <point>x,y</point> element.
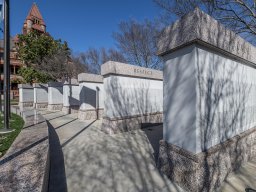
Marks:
<point>209,102</point>
<point>133,95</point>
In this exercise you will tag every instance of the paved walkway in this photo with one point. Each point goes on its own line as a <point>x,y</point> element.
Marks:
<point>85,159</point>
<point>243,180</point>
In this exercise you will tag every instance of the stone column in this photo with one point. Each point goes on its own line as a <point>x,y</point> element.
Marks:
<point>71,91</point>
<point>209,102</point>
<point>55,96</point>
<point>133,96</point>
<point>40,95</point>
<point>26,95</point>
<point>91,96</point>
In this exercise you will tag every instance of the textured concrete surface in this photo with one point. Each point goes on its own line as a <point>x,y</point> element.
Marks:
<point>91,95</point>
<point>206,171</point>
<point>123,124</point>
<point>25,86</point>
<point>117,68</point>
<point>85,159</point>
<point>241,180</point>
<point>55,93</point>
<point>24,166</point>
<point>40,95</point>
<point>71,82</point>
<point>90,114</point>
<point>55,84</point>
<point>89,77</point>
<point>91,160</point>
<point>202,28</point>
<point>26,93</point>
<point>127,96</point>
<point>71,95</point>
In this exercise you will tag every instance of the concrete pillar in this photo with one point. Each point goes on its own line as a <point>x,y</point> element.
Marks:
<point>91,96</point>
<point>40,95</point>
<point>26,95</point>
<point>71,91</point>
<point>55,96</point>
<point>133,96</point>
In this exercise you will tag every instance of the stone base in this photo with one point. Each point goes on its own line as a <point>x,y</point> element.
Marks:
<point>70,109</point>
<point>55,107</point>
<point>26,104</point>
<point>40,105</point>
<point>90,114</point>
<point>207,170</point>
<point>123,124</point>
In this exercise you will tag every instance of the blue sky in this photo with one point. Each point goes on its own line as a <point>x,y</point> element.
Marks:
<point>83,23</point>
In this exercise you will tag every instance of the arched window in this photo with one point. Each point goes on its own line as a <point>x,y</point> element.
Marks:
<point>36,21</point>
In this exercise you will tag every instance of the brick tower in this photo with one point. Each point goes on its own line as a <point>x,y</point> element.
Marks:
<point>34,21</point>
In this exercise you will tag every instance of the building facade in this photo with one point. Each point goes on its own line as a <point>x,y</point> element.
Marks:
<point>33,22</point>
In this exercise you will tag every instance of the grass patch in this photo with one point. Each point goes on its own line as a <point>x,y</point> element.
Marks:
<point>6,140</point>
<point>14,102</point>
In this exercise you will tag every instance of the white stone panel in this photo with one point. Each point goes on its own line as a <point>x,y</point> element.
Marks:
<point>180,98</point>
<point>71,95</point>
<point>130,96</point>
<point>208,98</point>
<point>88,95</point>
<point>26,95</point>
<point>41,93</point>
<point>55,95</point>
<point>227,103</point>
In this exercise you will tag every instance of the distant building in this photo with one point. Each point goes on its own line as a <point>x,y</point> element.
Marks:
<point>33,22</point>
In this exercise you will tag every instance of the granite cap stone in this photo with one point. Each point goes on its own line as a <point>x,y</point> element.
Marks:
<point>25,86</point>
<point>89,77</point>
<point>200,27</point>
<point>117,68</point>
<point>72,82</point>
<point>39,85</point>
<point>55,84</point>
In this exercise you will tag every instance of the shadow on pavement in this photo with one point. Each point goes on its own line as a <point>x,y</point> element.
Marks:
<point>74,136</point>
<point>250,190</point>
<point>57,175</point>
<point>154,132</point>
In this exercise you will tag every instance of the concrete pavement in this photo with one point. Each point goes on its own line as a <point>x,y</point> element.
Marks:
<point>244,180</point>
<point>86,159</point>
<point>83,158</point>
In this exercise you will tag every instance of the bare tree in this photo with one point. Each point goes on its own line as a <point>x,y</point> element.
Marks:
<point>60,65</point>
<point>137,42</point>
<point>238,15</point>
<point>94,58</point>
<point>75,66</point>
<point>112,55</point>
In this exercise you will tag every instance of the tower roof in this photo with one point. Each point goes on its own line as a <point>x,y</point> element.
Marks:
<point>35,13</point>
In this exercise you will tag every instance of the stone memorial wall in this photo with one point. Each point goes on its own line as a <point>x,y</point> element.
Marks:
<point>71,93</point>
<point>55,96</point>
<point>133,95</point>
<point>91,96</point>
<point>26,95</point>
<point>40,95</point>
<point>209,102</point>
